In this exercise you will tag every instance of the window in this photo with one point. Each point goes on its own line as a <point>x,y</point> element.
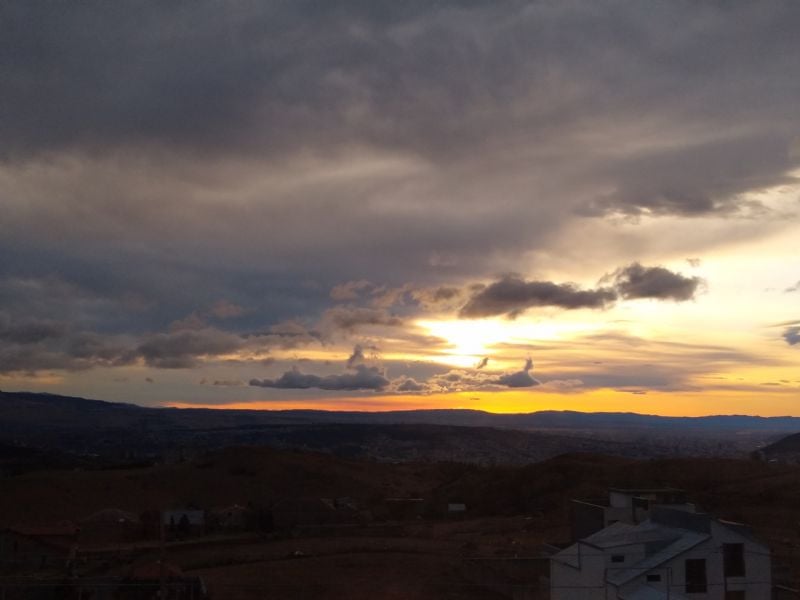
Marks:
<point>617,558</point>
<point>734,595</point>
<point>653,577</point>
<point>696,576</point>
<point>733,556</point>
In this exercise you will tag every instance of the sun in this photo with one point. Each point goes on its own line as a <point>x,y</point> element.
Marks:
<point>470,340</point>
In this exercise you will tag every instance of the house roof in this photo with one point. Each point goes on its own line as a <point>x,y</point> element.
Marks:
<point>667,534</point>
<point>624,534</point>
<point>673,541</point>
<point>683,540</point>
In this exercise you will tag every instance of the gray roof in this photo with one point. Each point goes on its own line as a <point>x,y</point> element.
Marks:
<point>685,540</point>
<point>624,534</point>
<point>663,537</point>
<point>674,541</point>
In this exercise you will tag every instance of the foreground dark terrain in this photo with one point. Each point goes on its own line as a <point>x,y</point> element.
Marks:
<point>429,504</point>
<point>381,528</point>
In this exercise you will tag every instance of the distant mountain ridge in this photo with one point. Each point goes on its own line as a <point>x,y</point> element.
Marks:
<point>111,433</point>
<point>14,404</point>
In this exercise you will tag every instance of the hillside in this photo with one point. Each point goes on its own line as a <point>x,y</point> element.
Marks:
<point>750,491</point>
<point>786,450</point>
<point>118,432</point>
<point>511,511</point>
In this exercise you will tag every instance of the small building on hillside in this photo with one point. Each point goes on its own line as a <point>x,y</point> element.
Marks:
<point>32,548</point>
<point>630,506</point>
<point>673,555</point>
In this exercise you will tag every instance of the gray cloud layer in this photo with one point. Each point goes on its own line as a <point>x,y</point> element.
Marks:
<point>636,281</point>
<point>363,378</point>
<point>512,295</point>
<point>792,335</point>
<point>163,160</point>
<point>519,379</point>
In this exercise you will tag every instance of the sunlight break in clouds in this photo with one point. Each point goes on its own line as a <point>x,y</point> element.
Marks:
<point>192,195</point>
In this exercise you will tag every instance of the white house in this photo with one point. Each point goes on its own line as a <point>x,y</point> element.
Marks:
<point>623,505</point>
<point>674,555</point>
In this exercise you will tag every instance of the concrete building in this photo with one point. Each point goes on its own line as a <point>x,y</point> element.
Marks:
<point>630,506</point>
<point>672,555</point>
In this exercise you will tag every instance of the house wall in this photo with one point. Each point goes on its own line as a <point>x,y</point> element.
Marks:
<point>619,499</point>
<point>757,581</point>
<point>585,519</point>
<point>585,583</point>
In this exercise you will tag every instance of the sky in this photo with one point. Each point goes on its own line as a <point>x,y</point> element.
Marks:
<point>371,205</point>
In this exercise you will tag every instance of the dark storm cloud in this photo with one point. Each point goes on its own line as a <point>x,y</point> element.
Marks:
<point>286,335</point>
<point>440,297</point>
<point>792,335</point>
<point>72,351</point>
<point>350,290</point>
<point>637,281</point>
<point>200,76</point>
<point>519,379</point>
<point>696,180</point>
<point>364,378</point>
<point>410,385</point>
<point>420,76</point>
<point>356,357</point>
<point>512,295</point>
<point>29,331</point>
<point>160,157</point>
<point>79,350</point>
<point>178,350</point>
<point>350,318</point>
